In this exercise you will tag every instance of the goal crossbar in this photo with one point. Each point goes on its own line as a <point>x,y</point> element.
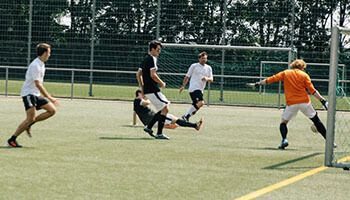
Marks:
<point>227,47</point>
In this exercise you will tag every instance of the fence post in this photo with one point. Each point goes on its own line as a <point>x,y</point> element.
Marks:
<point>159,7</point>
<point>92,46</point>
<point>6,81</point>
<point>223,42</point>
<point>72,86</point>
<point>208,97</point>
<point>30,21</point>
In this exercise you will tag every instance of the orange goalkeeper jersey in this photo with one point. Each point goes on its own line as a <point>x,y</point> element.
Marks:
<point>296,83</point>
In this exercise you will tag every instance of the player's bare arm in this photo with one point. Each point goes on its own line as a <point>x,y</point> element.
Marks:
<point>156,78</point>
<point>321,99</point>
<point>139,77</point>
<point>208,79</point>
<point>44,92</point>
<point>145,102</point>
<point>184,83</point>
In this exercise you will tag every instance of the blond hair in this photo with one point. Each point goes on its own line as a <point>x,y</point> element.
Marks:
<point>299,64</point>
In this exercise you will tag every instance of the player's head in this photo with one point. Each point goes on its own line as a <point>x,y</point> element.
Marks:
<point>155,47</point>
<point>43,50</point>
<point>203,57</point>
<point>298,64</point>
<point>138,93</point>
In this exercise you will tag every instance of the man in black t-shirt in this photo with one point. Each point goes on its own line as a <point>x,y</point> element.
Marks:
<point>145,114</point>
<point>148,80</point>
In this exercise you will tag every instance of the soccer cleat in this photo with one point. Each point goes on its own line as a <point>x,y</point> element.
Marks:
<point>284,144</point>
<point>149,131</point>
<point>199,124</point>
<point>162,137</point>
<point>13,143</point>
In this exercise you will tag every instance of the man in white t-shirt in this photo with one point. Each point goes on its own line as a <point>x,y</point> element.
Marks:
<point>198,74</point>
<point>31,93</point>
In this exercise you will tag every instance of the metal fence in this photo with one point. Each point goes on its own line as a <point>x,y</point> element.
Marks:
<point>113,35</point>
<point>72,87</point>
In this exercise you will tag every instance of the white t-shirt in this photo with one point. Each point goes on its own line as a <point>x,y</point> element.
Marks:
<point>196,72</point>
<point>35,71</point>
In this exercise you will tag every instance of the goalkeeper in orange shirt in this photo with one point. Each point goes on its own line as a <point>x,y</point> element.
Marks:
<point>297,87</point>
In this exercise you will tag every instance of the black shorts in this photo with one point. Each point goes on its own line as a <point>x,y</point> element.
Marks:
<point>196,96</point>
<point>34,101</point>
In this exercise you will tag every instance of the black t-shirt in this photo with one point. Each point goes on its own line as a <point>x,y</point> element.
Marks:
<point>144,113</point>
<point>149,85</point>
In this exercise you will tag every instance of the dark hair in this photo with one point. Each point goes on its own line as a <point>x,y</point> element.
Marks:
<point>137,92</point>
<point>41,48</point>
<point>154,44</point>
<point>203,53</point>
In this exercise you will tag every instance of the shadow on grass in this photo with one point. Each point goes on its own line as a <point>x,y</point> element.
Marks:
<point>132,126</point>
<point>125,138</point>
<point>278,165</point>
<point>7,147</point>
<point>274,149</point>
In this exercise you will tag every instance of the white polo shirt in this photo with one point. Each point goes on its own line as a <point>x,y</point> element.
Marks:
<point>196,72</point>
<point>35,71</point>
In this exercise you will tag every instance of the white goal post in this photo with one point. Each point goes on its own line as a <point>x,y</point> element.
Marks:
<point>335,157</point>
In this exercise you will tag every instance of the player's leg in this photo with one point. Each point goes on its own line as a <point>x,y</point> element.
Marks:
<point>197,103</point>
<point>288,113</point>
<point>50,111</point>
<point>319,126</point>
<point>309,111</point>
<point>149,126</point>
<point>160,103</point>
<point>42,103</point>
<point>30,117</point>
<point>170,121</point>
<point>161,122</point>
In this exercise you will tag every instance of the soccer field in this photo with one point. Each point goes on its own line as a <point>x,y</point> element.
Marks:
<point>89,150</point>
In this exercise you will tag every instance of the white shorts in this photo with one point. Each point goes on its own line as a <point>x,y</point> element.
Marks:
<point>292,110</point>
<point>158,100</point>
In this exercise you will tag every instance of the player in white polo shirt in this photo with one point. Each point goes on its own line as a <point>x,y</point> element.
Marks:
<point>198,74</point>
<point>31,93</point>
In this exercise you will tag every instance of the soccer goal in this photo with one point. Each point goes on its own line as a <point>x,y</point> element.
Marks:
<point>337,153</point>
<point>233,67</point>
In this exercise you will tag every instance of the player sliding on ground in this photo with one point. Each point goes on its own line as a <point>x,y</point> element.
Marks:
<point>297,84</point>
<point>145,114</point>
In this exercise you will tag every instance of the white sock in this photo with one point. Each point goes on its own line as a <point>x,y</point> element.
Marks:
<point>190,111</point>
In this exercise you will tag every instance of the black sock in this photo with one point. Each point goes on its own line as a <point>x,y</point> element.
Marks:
<point>13,138</point>
<point>153,120</point>
<point>319,126</point>
<point>283,130</point>
<point>161,124</point>
<point>184,123</point>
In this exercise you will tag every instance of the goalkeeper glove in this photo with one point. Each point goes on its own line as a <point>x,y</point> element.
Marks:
<point>257,84</point>
<point>324,104</point>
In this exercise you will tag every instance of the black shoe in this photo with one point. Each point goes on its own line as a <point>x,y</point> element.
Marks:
<point>162,137</point>
<point>13,143</point>
<point>284,144</point>
<point>149,131</point>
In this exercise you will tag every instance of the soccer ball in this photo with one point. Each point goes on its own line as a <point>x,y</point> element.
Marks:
<point>313,128</point>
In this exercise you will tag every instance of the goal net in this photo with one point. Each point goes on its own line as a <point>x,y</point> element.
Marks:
<point>233,67</point>
<point>337,152</point>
